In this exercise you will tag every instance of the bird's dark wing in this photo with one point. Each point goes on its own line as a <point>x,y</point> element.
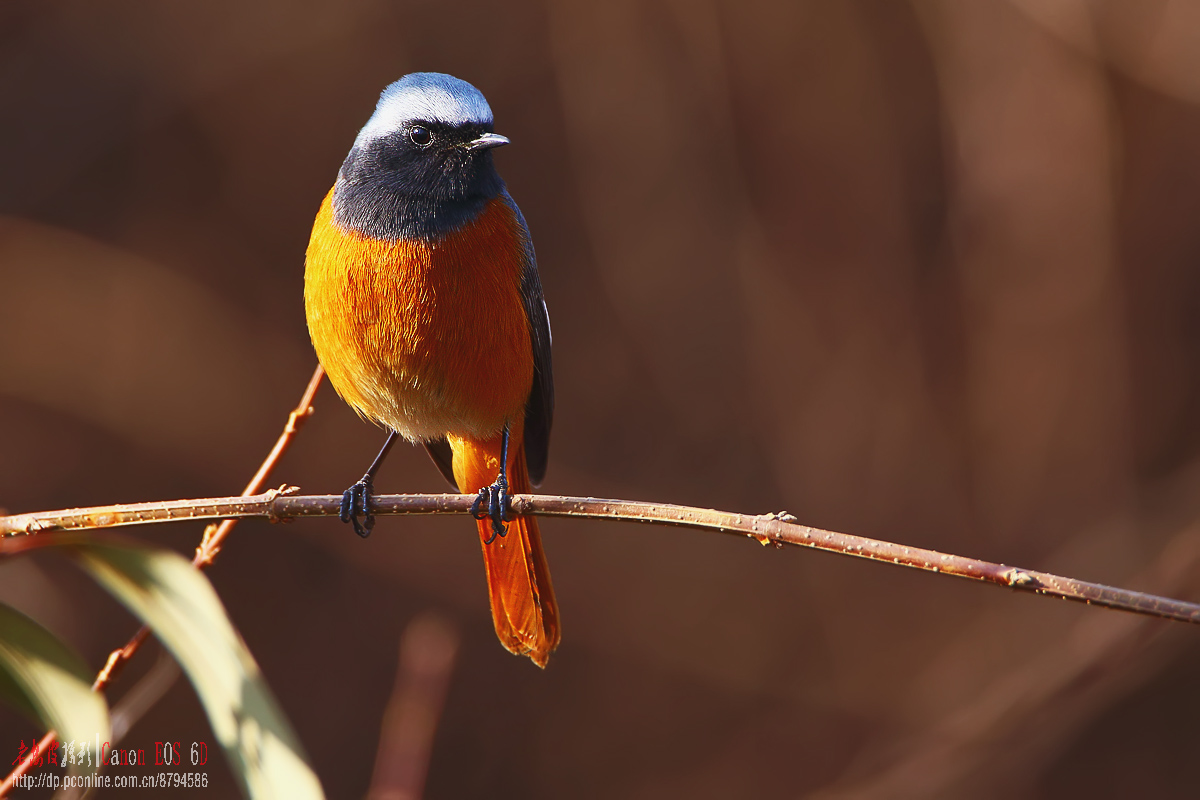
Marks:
<point>439,451</point>
<point>539,409</point>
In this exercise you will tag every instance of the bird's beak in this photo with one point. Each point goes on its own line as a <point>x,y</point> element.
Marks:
<point>487,142</point>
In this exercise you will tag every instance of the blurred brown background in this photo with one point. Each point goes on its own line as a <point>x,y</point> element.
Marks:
<point>921,271</point>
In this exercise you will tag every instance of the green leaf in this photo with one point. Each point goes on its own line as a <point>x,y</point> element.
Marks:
<point>43,677</point>
<point>167,593</point>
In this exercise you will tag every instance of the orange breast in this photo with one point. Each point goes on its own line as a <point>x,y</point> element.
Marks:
<point>427,338</point>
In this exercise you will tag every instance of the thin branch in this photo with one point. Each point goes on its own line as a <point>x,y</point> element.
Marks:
<point>284,504</point>
<point>779,529</point>
<point>428,650</point>
<point>36,756</point>
<point>214,535</point>
<point>210,546</point>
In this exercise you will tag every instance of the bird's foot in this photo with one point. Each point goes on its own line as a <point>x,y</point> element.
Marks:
<point>356,501</point>
<point>498,510</point>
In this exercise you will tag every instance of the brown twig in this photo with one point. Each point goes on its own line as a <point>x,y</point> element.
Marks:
<point>427,653</point>
<point>209,548</point>
<point>778,529</point>
<point>215,534</point>
<point>33,759</point>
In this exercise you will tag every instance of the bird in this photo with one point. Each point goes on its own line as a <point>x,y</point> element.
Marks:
<point>425,308</point>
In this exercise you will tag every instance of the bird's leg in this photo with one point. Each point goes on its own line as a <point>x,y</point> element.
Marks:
<point>357,499</point>
<point>499,506</point>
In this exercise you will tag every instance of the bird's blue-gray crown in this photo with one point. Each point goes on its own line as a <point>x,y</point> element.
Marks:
<point>426,97</point>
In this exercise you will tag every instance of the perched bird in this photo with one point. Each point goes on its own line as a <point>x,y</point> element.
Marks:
<point>426,311</point>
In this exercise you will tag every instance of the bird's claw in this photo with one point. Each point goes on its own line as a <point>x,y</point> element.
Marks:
<point>356,501</point>
<point>499,508</point>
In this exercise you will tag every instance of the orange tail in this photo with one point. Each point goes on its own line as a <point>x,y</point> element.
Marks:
<point>523,606</point>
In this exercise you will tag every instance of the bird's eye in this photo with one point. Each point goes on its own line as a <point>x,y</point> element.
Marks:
<point>420,136</point>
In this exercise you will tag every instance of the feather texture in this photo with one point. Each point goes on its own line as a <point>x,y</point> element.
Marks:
<point>524,610</point>
<point>424,337</point>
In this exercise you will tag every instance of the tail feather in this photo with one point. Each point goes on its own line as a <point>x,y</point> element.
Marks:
<point>523,607</point>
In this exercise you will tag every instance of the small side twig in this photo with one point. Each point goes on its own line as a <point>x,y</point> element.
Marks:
<point>210,546</point>
<point>776,529</point>
<point>214,535</point>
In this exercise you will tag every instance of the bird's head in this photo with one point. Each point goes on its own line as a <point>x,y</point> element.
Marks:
<point>429,145</point>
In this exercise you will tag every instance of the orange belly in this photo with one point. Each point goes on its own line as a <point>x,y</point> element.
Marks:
<point>425,337</point>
